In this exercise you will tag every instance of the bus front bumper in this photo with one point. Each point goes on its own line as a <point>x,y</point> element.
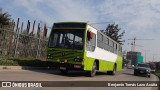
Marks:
<point>70,66</point>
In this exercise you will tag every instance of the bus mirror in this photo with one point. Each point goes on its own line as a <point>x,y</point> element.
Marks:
<point>89,35</point>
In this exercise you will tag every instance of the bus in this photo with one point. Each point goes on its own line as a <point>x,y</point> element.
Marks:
<point>80,46</point>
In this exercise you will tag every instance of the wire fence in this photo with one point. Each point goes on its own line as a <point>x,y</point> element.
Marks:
<point>22,44</point>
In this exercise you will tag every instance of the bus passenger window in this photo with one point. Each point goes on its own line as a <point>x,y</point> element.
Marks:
<point>91,41</point>
<point>89,35</point>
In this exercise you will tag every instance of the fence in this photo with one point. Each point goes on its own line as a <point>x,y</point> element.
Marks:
<point>22,44</point>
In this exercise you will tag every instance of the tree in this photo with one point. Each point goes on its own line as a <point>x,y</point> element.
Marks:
<point>5,17</point>
<point>113,31</point>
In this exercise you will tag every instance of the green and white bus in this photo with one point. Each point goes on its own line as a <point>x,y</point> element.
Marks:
<point>79,46</point>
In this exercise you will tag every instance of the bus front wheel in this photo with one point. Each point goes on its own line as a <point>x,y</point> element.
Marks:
<point>94,69</point>
<point>114,70</point>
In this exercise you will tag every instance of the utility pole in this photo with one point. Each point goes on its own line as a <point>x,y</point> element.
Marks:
<point>145,54</point>
<point>153,58</point>
<point>156,55</point>
<point>134,41</point>
<point>132,49</point>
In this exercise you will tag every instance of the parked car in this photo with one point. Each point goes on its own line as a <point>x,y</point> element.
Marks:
<point>142,69</point>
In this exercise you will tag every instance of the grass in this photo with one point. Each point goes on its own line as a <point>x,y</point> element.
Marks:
<point>157,73</point>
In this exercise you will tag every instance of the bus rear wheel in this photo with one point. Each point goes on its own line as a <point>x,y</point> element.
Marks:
<point>94,69</point>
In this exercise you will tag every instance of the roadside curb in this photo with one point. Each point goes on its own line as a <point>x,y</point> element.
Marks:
<point>24,68</point>
<point>157,80</point>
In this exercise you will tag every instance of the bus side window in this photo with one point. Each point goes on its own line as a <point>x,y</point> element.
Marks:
<point>89,35</point>
<point>91,41</point>
<point>99,40</point>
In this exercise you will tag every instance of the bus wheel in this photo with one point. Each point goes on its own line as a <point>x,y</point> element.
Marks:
<point>93,72</point>
<point>114,70</point>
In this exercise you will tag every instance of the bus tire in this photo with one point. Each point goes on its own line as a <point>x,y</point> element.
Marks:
<point>94,69</point>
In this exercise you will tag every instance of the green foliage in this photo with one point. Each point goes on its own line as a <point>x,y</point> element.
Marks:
<point>113,31</point>
<point>157,66</point>
<point>5,17</point>
<point>6,62</point>
<point>21,62</point>
<point>157,73</point>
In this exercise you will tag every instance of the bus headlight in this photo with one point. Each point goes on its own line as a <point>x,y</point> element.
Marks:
<point>49,56</point>
<point>78,59</point>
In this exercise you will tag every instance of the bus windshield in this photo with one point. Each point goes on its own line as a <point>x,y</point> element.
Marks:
<point>67,38</point>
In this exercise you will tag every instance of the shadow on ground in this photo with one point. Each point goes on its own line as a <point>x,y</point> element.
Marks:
<point>71,73</point>
<point>131,74</point>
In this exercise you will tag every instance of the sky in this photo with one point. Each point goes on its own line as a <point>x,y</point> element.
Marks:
<point>139,18</point>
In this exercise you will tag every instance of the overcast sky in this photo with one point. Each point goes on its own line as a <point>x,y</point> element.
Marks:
<point>139,18</point>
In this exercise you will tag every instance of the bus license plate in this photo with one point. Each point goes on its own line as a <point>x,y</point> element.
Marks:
<point>77,66</point>
<point>63,68</point>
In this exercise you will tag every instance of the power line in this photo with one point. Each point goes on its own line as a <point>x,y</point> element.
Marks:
<point>134,45</point>
<point>102,23</point>
<point>134,41</point>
